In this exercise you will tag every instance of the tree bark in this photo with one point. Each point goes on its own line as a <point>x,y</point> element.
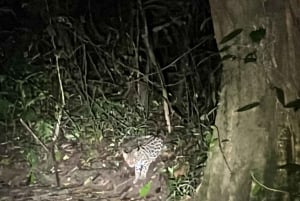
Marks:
<point>264,138</point>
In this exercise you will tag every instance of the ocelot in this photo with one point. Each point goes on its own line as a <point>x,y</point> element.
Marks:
<point>141,153</point>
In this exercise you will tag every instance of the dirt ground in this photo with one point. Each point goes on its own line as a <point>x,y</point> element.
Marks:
<point>85,173</point>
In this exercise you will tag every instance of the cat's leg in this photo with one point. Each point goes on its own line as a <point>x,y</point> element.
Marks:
<point>137,171</point>
<point>145,170</point>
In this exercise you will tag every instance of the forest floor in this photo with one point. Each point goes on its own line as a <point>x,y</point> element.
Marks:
<point>85,173</point>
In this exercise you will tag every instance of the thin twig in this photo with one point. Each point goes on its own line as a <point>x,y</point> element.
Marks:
<point>57,126</point>
<point>222,151</point>
<point>204,39</point>
<point>155,64</point>
<point>34,135</point>
<point>266,187</point>
<point>121,184</point>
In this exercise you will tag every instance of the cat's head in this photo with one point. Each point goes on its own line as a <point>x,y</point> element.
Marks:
<point>129,157</point>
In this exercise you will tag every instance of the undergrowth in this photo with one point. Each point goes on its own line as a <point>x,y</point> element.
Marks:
<point>84,77</point>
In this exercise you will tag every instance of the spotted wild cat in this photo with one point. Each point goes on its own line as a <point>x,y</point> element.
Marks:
<point>142,154</point>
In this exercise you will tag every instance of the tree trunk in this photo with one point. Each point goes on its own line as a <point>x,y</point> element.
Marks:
<point>263,143</point>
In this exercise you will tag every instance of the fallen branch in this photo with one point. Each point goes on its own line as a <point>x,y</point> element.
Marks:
<point>34,135</point>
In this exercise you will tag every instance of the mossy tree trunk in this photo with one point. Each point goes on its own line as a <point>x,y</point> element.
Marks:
<point>263,142</point>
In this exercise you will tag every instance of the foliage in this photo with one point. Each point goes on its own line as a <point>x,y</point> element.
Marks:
<point>248,107</point>
<point>144,191</point>
<point>231,35</point>
<point>96,75</point>
<point>257,35</point>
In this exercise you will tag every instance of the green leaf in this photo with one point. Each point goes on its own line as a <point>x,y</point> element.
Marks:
<point>231,35</point>
<point>293,104</point>
<point>29,115</point>
<point>44,130</point>
<point>213,142</point>
<point>280,95</point>
<point>249,60</point>
<point>225,48</point>
<point>257,35</point>
<point>144,191</point>
<point>32,157</point>
<point>248,107</point>
<point>228,56</point>
<point>33,178</point>
<point>251,57</point>
<point>58,155</point>
<point>208,136</point>
<point>255,189</point>
<point>73,135</point>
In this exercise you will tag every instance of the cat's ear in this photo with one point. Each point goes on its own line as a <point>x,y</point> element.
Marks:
<point>125,155</point>
<point>126,150</point>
